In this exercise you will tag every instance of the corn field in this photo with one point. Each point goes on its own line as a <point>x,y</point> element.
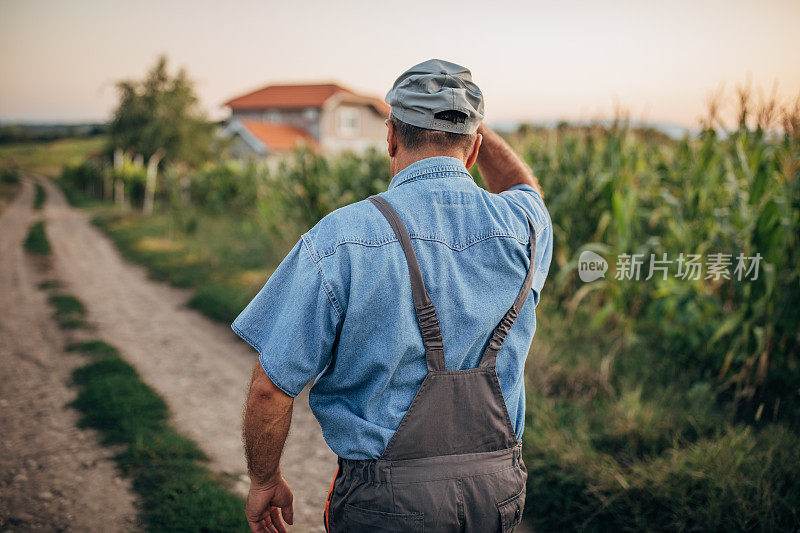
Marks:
<point>727,192</point>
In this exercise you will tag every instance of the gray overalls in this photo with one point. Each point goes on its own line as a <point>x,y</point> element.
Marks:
<point>454,463</point>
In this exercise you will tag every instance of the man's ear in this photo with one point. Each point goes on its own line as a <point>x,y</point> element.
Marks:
<point>391,138</point>
<point>473,156</point>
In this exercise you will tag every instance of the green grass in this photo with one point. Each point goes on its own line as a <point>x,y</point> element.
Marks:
<point>69,311</point>
<point>50,284</point>
<point>50,156</point>
<point>221,302</point>
<point>95,349</point>
<point>609,447</point>
<point>225,260</point>
<point>36,242</point>
<point>9,185</point>
<point>738,480</point>
<point>177,491</point>
<point>114,400</point>
<point>40,198</point>
<point>9,176</point>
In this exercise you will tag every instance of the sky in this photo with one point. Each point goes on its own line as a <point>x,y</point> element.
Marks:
<point>534,61</point>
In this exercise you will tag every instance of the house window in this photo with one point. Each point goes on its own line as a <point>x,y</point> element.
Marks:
<point>348,121</point>
<point>272,116</point>
<point>310,113</point>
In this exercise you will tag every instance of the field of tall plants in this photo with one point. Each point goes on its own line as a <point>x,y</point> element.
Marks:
<point>669,403</point>
<point>657,400</point>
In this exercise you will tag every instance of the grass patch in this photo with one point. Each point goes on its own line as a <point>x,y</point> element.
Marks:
<point>40,197</point>
<point>69,311</point>
<point>95,349</point>
<point>73,323</point>
<point>65,304</point>
<point>177,491</point>
<point>114,400</point>
<point>181,496</point>
<point>50,284</point>
<point>221,302</point>
<point>36,242</point>
<point>610,447</point>
<point>225,260</point>
<point>9,176</point>
<point>9,185</point>
<point>739,480</point>
<point>48,157</point>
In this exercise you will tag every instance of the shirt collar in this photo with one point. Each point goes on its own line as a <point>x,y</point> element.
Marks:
<point>431,167</point>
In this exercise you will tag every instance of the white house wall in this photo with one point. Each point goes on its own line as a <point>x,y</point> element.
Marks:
<point>370,133</point>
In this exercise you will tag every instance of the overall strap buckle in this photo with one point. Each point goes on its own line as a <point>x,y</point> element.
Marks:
<point>489,359</point>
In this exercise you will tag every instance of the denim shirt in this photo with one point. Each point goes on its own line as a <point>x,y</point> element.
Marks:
<point>338,310</point>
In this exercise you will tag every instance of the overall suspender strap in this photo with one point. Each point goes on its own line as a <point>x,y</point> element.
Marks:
<point>489,358</point>
<point>426,314</point>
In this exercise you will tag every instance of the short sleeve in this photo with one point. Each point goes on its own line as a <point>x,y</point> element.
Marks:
<point>527,198</point>
<point>292,322</point>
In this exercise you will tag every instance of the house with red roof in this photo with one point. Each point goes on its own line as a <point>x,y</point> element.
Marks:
<point>325,117</point>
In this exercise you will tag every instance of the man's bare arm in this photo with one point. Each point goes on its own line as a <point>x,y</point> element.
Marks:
<point>267,416</point>
<point>500,166</point>
<point>266,424</point>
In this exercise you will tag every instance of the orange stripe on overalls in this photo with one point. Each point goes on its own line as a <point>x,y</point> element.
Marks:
<point>328,502</point>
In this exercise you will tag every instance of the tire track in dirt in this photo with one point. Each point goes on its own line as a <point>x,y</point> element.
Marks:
<point>53,476</point>
<point>199,366</point>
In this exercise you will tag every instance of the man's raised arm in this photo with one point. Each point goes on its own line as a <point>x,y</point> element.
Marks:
<point>500,166</point>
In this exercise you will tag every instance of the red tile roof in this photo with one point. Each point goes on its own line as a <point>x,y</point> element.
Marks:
<point>297,96</point>
<point>278,137</point>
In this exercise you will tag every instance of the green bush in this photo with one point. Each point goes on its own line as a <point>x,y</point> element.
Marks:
<point>82,182</point>
<point>308,186</point>
<point>226,186</point>
<point>9,176</point>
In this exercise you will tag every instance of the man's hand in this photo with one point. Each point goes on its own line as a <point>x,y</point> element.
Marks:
<point>266,503</point>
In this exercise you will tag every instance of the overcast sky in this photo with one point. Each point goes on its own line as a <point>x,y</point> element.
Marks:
<point>59,60</point>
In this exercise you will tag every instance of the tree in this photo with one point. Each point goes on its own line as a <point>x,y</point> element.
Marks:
<point>158,118</point>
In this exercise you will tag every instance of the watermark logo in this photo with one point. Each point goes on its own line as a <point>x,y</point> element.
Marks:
<point>591,266</point>
<point>693,267</point>
<point>718,266</point>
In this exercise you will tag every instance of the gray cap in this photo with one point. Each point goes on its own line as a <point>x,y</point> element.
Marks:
<point>432,87</point>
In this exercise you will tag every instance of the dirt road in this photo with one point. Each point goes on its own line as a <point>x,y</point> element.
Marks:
<point>199,366</point>
<point>53,476</point>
